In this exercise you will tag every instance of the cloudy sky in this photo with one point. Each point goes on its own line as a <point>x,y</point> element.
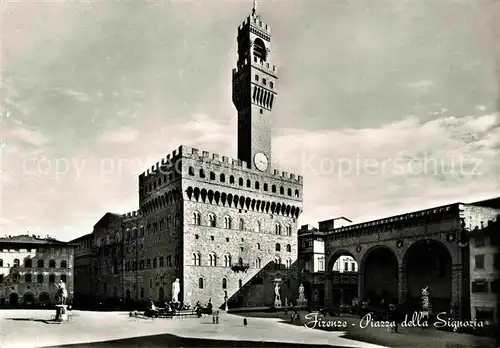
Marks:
<point>384,107</point>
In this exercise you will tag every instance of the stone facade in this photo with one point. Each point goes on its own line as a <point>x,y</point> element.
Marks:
<point>83,268</point>
<point>216,223</point>
<point>31,266</point>
<point>485,270</point>
<point>442,228</point>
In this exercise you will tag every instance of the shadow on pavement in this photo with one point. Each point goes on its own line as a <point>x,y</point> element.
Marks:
<point>45,321</point>
<point>175,341</point>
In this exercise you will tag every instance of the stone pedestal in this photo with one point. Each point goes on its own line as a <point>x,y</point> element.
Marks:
<point>277,303</point>
<point>61,313</point>
<point>302,302</point>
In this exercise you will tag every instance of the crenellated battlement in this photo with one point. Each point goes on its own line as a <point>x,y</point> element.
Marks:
<point>259,64</point>
<point>232,162</point>
<point>205,156</point>
<point>168,160</point>
<point>132,214</point>
<point>256,23</point>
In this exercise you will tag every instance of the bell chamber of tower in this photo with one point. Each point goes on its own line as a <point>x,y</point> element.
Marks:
<point>254,92</point>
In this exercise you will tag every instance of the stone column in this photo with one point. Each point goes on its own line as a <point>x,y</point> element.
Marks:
<point>402,285</point>
<point>361,286</point>
<point>456,289</point>
<point>328,290</point>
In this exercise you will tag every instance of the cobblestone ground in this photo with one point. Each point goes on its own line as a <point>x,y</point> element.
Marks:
<point>406,337</point>
<point>32,328</point>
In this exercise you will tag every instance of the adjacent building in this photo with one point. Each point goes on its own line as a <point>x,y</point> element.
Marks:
<point>224,227</point>
<point>30,266</point>
<point>485,271</point>
<point>84,285</point>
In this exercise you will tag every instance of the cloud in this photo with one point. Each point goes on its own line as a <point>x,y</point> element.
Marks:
<point>357,173</point>
<point>79,96</point>
<point>26,135</point>
<point>421,85</point>
<point>125,135</point>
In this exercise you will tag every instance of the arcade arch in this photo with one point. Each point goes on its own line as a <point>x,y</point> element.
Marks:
<point>428,263</point>
<point>379,267</point>
<point>342,279</point>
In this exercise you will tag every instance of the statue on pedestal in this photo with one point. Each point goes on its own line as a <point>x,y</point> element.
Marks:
<point>277,296</point>
<point>176,289</point>
<point>62,293</point>
<point>301,301</point>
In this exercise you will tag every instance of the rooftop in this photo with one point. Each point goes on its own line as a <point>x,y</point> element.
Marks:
<point>33,239</point>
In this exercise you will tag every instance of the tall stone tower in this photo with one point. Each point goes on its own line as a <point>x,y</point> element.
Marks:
<point>254,92</point>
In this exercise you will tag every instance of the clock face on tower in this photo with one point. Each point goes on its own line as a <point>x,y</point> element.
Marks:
<point>261,162</point>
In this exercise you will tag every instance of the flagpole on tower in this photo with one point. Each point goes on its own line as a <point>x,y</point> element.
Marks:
<point>254,8</point>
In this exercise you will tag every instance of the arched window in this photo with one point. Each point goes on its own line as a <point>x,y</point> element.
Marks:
<point>52,264</point>
<point>27,278</point>
<point>191,171</point>
<point>196,259</point>
<point>288,230</point>
<point>195,218</point>
<point>277,228</point>
<point>213,259</point>
<point>259,49</point>
<point>240,283</point>
<point>64,264</point>
<point>1,263</point>
<point>297,193</point>
<point>249,183</point>
<point>273,188</point>
<point>211,220</point>
<point>278,247</point>
<point>52,278</point>
<point>257,263</point>
<point>142,292</point>
<point>202,173</point>
<point>240,182</point>
<point>277,263</point>
<point>282,190</point>
<point>240,261</point>
<point>257,185</point>
<point>289,192</point>
<point>288,248</point>
<point>224,283</point>
<point>258,246</point>
<point>28,263</point>
<point>16,262</point>
<point>227,260</point>
<point>39,278</point>
<point>212,176</point>
<point>227,222</point>
<point>288,263</point>
<point>200,283</point>
<point>231,179</point>
<point>155,262</point>
<point>265,187</point>
<point>222,178</point>
<point>63,278</point>
<point>242,224</point>
<point>15,277</point>
<point>258,226</point>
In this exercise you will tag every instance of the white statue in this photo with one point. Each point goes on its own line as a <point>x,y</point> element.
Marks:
<point>277,292</point>
<point>176,289</point>
<point>301,291</point>
<point>62,293</point>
